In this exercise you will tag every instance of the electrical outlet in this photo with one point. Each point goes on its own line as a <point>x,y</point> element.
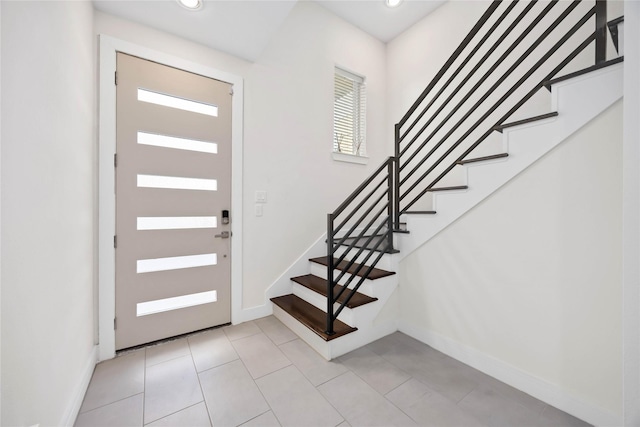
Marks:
<point>258,210</point>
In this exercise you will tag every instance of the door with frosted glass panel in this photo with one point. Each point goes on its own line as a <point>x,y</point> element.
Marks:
<point>173,183</point>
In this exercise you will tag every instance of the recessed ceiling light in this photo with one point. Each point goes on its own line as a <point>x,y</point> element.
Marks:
<point>191,4</point>
<point>393,3</point>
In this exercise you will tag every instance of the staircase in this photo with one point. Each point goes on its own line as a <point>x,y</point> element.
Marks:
<point>459,142</point>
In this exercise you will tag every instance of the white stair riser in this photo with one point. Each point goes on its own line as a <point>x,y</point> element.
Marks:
<point>321,271</point>
<point>307,335</point>
<point>347,315</point>
<point>368,287</point>
<point>387,262</point>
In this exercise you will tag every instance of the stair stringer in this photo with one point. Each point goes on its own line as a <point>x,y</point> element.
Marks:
<point>283,285</point>
<point>578,101</point>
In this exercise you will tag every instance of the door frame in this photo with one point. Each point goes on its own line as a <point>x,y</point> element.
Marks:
<point>109,46</point>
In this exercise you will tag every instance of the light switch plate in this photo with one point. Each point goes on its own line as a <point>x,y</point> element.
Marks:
<point>261,196</point>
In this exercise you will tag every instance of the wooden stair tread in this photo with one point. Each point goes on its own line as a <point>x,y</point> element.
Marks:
<point>311,316</point>
<point>376,273</point>
<point>482,159</point>
<point>418,212</point>
<point>503,126</point>
<point>400,230</point>
<point>453,187</point>
<point>319,285</point>
<point>604,64</point>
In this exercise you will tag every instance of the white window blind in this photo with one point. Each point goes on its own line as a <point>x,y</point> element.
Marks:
<point>349,113</point>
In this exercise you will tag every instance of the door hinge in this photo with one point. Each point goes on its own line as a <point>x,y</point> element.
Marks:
<point>231,91</point>
<point>115,160</point>
<point>115,323</point>
<point>115,242</point>
<point>115,77</point>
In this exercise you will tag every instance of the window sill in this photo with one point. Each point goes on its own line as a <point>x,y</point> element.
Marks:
<point>350,158</point>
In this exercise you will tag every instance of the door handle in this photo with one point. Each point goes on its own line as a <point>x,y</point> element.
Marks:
<point>223,235</point>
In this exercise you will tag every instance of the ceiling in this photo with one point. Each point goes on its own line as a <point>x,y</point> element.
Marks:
<point>244,28</point>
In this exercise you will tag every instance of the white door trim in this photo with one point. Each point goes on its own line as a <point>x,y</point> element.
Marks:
<point>106,180</point>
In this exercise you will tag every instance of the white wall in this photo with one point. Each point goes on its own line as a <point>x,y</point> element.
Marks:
<point>631,215</point>
<point>415,56</point>
<point>531,277</point>
<point>47,210</point>
<point>0,213</point>
<point>288,125</point>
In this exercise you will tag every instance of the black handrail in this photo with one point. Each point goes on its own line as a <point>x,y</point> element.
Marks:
<point>377,202</point>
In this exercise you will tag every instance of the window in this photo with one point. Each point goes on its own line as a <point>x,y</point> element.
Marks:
<point>349,114</point>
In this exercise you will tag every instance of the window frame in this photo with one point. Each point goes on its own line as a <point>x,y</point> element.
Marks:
<point>358,115</point>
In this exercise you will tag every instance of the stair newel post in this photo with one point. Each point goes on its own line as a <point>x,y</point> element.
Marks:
<point>396,183</point>
<point>601,31</point>
<point>390,198</point>
<point>330,267</point>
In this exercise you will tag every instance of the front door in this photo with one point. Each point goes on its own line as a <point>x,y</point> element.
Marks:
<point>173,195</point>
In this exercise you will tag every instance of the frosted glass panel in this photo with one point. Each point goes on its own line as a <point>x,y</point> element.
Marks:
<point>168,304</point>
<point>175,263</point>
<point>176,222</point>
<point>176,182</point>
<point>178,143</point>
<point>175,102</point>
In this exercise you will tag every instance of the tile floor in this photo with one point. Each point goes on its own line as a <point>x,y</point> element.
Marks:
<point>260,374</point>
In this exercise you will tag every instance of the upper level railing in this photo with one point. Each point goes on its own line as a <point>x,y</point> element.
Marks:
<point>502,63</point>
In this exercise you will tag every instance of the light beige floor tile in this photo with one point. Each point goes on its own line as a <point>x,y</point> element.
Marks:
<point>295,401</point>
<point>310,363</point>
<point>406,357</point>
<point>193,416</point>
<point>433,409</point>
<point>115,380</point>
<point>275,330</point>
<point>448,377</point>
<point>401,338</point>
<point>211,349</point>
<point>552,417</point>
<point>231,395</point>
<point>441,391</point>
<point>509,392</point>
<point>485,404</point>
<point>170,387</point>
<point>125,413</point>
<point>243,330</point>
<point>407,394</point>
<point>166,351</point>
<point>260,355</point>
<point>377,372</point>
<point>360,404</point>
<point>265,420</point>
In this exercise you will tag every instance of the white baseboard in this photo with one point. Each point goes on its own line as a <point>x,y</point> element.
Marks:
<point>253,313</point>
<point>73,409</point>
<point>513,376</point>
